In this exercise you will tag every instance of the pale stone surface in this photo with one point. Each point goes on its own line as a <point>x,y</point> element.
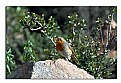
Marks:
<point>58,69</point>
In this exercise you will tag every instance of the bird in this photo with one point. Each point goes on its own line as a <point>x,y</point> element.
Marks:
<point>64,49</point>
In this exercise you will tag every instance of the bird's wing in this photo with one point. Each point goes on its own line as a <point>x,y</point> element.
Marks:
<point>73,54</point>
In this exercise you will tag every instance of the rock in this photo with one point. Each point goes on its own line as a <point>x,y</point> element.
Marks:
<point>22,72</point>
<point>58,69</point>
<point>49,69</point>
<point>112,54</point>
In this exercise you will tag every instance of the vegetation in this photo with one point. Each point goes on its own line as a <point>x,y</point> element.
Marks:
<point>39,35</point>
<point>10,63</point>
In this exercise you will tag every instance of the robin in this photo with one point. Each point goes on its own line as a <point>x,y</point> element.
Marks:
<point>63,47</point>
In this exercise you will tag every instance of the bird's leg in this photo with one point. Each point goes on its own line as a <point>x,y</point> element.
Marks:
<point>66,59</point>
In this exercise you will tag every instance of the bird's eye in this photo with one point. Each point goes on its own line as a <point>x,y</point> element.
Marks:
<point>58,39</point>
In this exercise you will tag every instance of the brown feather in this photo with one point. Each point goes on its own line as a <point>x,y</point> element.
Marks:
<point>73,54</point>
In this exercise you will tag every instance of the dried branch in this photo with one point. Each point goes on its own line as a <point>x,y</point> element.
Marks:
<point>42,31</point>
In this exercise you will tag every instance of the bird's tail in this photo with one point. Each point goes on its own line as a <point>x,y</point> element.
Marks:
<point>75,59</point>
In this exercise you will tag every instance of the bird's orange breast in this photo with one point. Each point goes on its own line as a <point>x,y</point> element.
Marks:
<point>59,46</point>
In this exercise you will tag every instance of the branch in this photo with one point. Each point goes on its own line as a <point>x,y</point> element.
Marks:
<point>42,31</point>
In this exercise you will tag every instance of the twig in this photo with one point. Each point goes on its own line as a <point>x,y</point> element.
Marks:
<point>40,28</point>
<point>49,38</point>
<point>73,33</point>
<point>102,36</point>
<point>107,38</point>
